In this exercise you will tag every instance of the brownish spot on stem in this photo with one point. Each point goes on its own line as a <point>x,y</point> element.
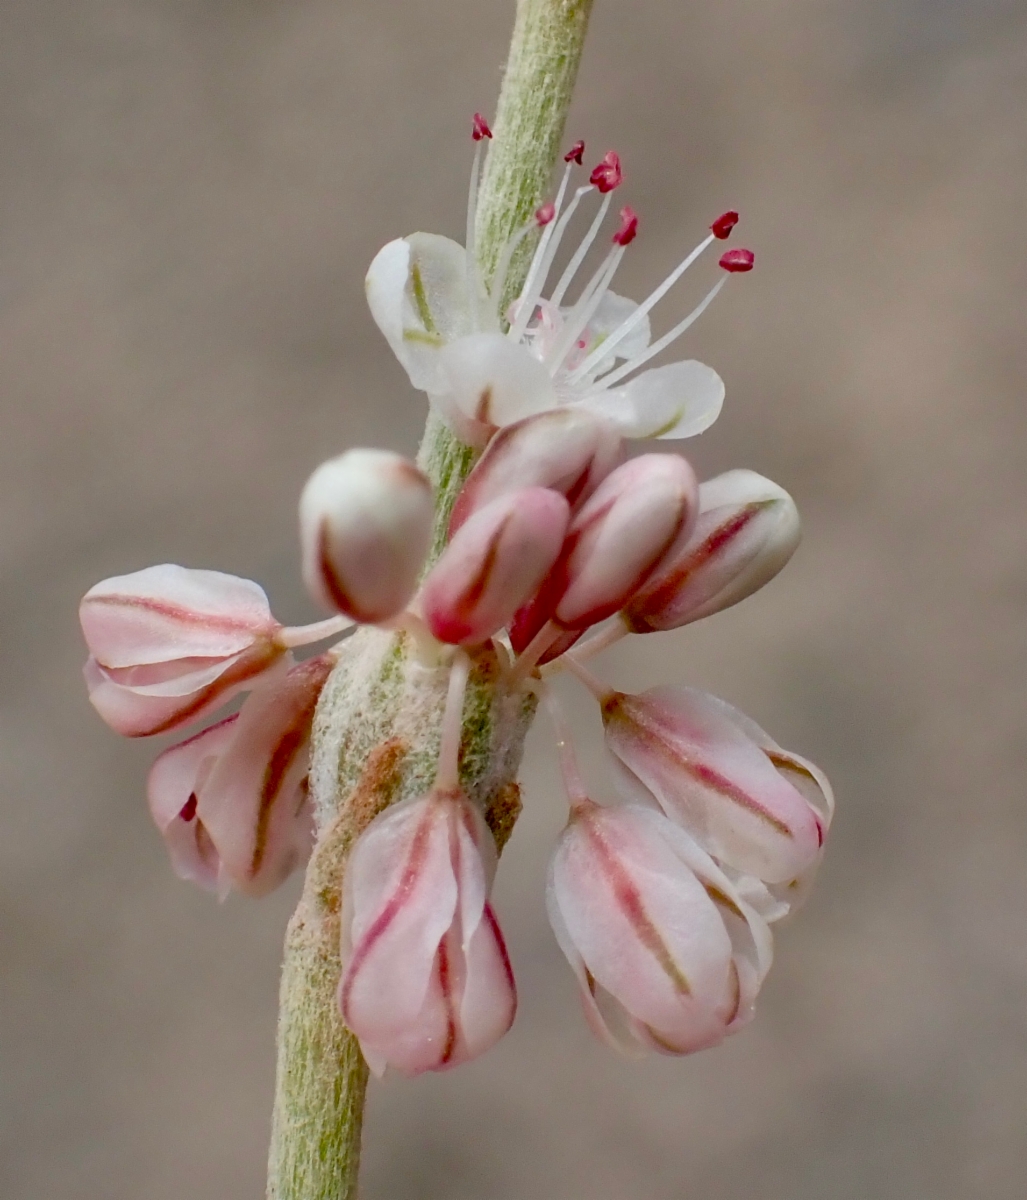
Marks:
<point>502,813</point>
<point>376,789</point>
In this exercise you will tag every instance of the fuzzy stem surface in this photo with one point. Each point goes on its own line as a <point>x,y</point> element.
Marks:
<point>379,720</point>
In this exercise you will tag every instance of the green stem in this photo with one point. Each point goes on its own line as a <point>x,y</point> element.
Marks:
<point>376,731</point>
<point>545,51</point>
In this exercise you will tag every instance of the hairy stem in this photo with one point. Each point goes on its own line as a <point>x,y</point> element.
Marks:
<point>379,720</point>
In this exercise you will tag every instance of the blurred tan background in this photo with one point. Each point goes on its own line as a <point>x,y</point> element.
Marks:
<point>191,192</point>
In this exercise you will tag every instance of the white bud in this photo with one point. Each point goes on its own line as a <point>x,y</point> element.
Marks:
<point>365,525</point>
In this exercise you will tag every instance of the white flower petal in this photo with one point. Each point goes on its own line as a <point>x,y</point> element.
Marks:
<point>679,400</point>
<point>494,381</point>
<point>611,314</point>
<point>419,290</point>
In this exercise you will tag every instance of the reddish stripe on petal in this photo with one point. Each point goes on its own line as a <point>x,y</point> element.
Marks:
<point>446,984</point>
<point>338,595</point>
<point>478,584</point>
<point>664,593</point>
<point>176,612</point>
<point>414,864</point>
<point>194,705</point>
<point>284,754</point>
<point>497,933</point>
<point>655,740</point>
<point>629,899</point>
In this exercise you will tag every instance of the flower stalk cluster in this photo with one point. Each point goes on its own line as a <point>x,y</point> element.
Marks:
<point>535,540</point>
<point>662,902</point>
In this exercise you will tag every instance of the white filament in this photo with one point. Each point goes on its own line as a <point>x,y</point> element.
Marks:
<point>622,330</point>
<point>539,271</point>
<point>579,254</point>
<point>661,344</point>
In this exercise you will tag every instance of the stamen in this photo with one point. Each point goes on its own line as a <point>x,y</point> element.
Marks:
<point>723,225</point>
<point>575,153</point>
<point>736,261</point>
<point>472,200</point>
<point>545,252</point>
<point>545,214</point>
<point>585,309</point>
<point>607,175</point>
<point>447,775</point>
<point>579,255</point>
<point>663,342</point>
<point>479,131</point>
<point>636,318</point>
<point>628,227</point>
<point>509,250</point>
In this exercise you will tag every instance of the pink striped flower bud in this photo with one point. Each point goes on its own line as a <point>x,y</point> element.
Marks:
<point>169,644</point>
<point>365,525</point>
<point>232,802</point>
<point>426,982</point>
<point>496,560</point>
<point>708,774</point>
<point>568,450</point>
<point>668,954</point>
<point>807,779</point>
<point>617,539</point>
<point>748,529</point>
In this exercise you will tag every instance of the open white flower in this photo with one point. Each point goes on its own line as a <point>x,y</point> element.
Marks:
<point>483,369</point>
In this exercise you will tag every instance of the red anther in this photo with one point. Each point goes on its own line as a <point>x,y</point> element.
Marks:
<point>628,227</point>
<point>722,226</point>
<point>607,174</point>
<point>189,808</point>
<point>480,128</point>
<point>738,260</point>
<point>545,214</point>
<point>574,154</point>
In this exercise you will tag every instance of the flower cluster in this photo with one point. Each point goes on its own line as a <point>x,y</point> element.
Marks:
<point>661,902</point>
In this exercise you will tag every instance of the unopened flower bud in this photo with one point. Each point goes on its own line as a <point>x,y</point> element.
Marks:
<point>169,644</point>
<point>426,981</point>
<point>496,560</point>
<point>365,525</point>
<point>747,529</point>
<point>621,534</point>
<point>708,774</point>
<point>668,954</point>
<point>567,450</point>
<point>807,779</point>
